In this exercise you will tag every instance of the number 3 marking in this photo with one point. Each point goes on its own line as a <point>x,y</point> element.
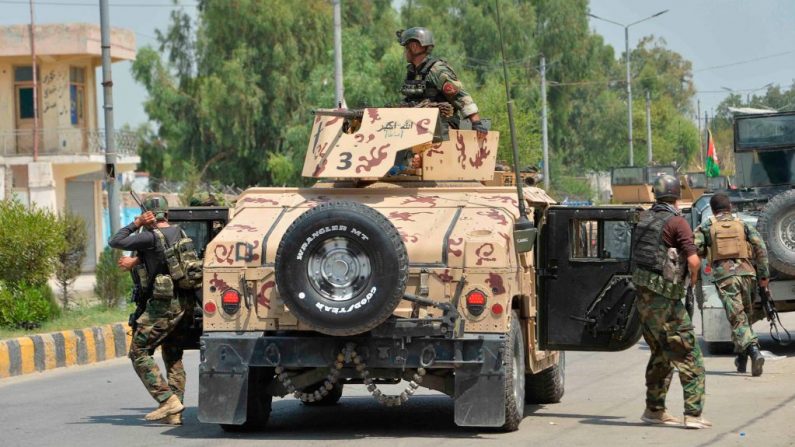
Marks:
<point>345,159</point>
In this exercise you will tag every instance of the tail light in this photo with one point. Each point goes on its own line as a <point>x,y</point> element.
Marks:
<point>476,302</point>
<point>210,307</point>
<point>230,301</point>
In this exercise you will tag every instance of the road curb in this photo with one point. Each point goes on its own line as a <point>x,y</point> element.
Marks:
<point>42,352</point>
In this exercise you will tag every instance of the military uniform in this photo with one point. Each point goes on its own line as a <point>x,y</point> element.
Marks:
<point>164,310</point>
<point>667,328</point>
<point>435,81</point>
<point>735,278</point>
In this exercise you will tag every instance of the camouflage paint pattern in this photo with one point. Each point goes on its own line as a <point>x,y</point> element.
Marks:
<point>671,337</point>
<point>734,267</point>
<point>155,325</point>
<point>737,295</point>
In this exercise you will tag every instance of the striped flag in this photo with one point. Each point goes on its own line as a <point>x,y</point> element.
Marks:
<point>712,167</point>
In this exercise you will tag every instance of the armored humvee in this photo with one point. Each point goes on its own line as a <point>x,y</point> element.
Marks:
<point>399,264</point>
<point>633,184</point>
<point>764,149</point>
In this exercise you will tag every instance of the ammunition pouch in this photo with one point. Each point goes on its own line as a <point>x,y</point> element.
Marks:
<point>184,265</point>
<point>657,284</point>
<point>163,288</point>
<point>673,267</point>
<point>139,270</point>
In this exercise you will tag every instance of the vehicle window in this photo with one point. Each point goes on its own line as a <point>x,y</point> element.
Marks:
<point>627,176</point>
<point>600,239</point>
<point>656,171</point>
<point>198,232</point>
<point>764,132</point>
<point>585,238</point>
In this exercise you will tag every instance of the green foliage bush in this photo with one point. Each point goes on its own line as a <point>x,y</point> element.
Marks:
<point>113,284</point>
<point>26,306</point>
<point>30,240</point>
<point>70,258</point>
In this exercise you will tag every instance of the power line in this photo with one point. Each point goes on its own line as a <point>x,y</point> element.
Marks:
<point>94,5</point>
<point>748,61</point>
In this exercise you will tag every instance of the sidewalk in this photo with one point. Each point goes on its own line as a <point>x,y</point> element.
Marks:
<point>81,292</point>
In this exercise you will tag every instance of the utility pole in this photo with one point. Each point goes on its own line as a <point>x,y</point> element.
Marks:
<point>629,80</point>
<point>544,134</point>
<point>114,191</point>
<point>339,94</point>
<point>648,129</point>
<point>35,85</point>
<point>629,99</point>
<point>700,140</point>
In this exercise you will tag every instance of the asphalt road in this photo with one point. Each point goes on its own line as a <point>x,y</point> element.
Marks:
<point>104,404</point>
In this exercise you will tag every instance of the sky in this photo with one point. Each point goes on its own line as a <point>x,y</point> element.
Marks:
<point>720,37</point>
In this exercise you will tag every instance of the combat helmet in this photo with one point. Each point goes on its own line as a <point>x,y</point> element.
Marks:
<point>158,205</point>
<point>422,35</point>
<point>667,188</point>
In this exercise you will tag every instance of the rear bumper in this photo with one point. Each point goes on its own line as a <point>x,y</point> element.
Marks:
<point>477,360</point>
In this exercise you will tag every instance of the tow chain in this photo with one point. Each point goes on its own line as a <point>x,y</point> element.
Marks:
<point>349,355</point>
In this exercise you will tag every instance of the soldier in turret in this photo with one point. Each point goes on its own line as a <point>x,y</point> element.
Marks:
<point>732,249</point>
<point>431,79</point>
<point>662,254</point>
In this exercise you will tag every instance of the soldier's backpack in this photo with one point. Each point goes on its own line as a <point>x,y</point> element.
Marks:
<point>729,240</point>
<point>184,265</point>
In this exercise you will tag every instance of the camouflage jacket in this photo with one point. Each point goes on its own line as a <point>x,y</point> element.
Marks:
<point>441,84</point>
<point>734,267</point>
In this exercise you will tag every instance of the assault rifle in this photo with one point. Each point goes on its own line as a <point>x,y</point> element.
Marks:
<point>772,316</point>
<point>137,295</point>
<point>690,301</point>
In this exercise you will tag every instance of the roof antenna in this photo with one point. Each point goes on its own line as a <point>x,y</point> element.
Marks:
<point>523,230</point>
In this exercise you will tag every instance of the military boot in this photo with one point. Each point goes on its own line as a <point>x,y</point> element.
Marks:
<point>757,360</point>
<point>168,407</point>
<point>173,419</point>
<point>697,422</point>
<point>741,362</point>
<point>659,417</point>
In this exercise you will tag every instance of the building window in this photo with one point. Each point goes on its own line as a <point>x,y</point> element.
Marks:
<point>77,95</point>
<point>23,85</point>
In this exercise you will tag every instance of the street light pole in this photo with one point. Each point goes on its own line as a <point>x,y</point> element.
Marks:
<point>629,79</point>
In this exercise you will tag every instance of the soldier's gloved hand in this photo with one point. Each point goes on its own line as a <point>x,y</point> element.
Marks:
<point>478,127</point>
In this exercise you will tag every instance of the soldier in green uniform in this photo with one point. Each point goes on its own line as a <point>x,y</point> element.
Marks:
<point>431,79</point>
<point>662,254</point>
<point>732,249</point>
<point>166,305</point>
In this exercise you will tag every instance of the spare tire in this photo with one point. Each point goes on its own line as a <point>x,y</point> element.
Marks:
<point>777,227</point>
<point>341,268</point>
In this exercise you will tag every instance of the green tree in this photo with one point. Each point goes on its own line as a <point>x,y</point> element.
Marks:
<point>70,258</point>
<point>30,240</point>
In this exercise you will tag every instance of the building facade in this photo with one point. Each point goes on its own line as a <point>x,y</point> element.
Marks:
<point>52,150</point>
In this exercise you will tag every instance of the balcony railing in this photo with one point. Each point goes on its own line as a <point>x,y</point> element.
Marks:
<point>65,141</point>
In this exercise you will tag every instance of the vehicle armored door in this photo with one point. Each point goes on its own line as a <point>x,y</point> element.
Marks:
<point>586,299</point>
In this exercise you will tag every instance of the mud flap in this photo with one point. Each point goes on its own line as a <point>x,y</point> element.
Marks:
<point>223,385</point>
<point>480,392</point>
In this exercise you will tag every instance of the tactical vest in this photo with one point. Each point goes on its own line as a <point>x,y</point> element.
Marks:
<point>418,87</point>
<point>728,239</point>
<point>648,250</point>
<point>184,265</point>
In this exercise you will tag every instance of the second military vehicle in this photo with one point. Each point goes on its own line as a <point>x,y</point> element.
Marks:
<point>399,264</point>
<point>764,146</point>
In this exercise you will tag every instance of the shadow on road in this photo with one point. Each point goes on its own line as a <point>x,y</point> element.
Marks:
<point>355,417</point>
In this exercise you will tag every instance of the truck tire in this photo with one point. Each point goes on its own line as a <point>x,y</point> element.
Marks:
<point>341,268</point>
<point>329,399</point>
<point>777,227</point>
<point>547,386</point>
<point>513,350</point>
<point>258,406</point>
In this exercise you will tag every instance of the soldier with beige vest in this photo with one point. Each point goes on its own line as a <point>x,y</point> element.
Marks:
<point>737,256</point>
